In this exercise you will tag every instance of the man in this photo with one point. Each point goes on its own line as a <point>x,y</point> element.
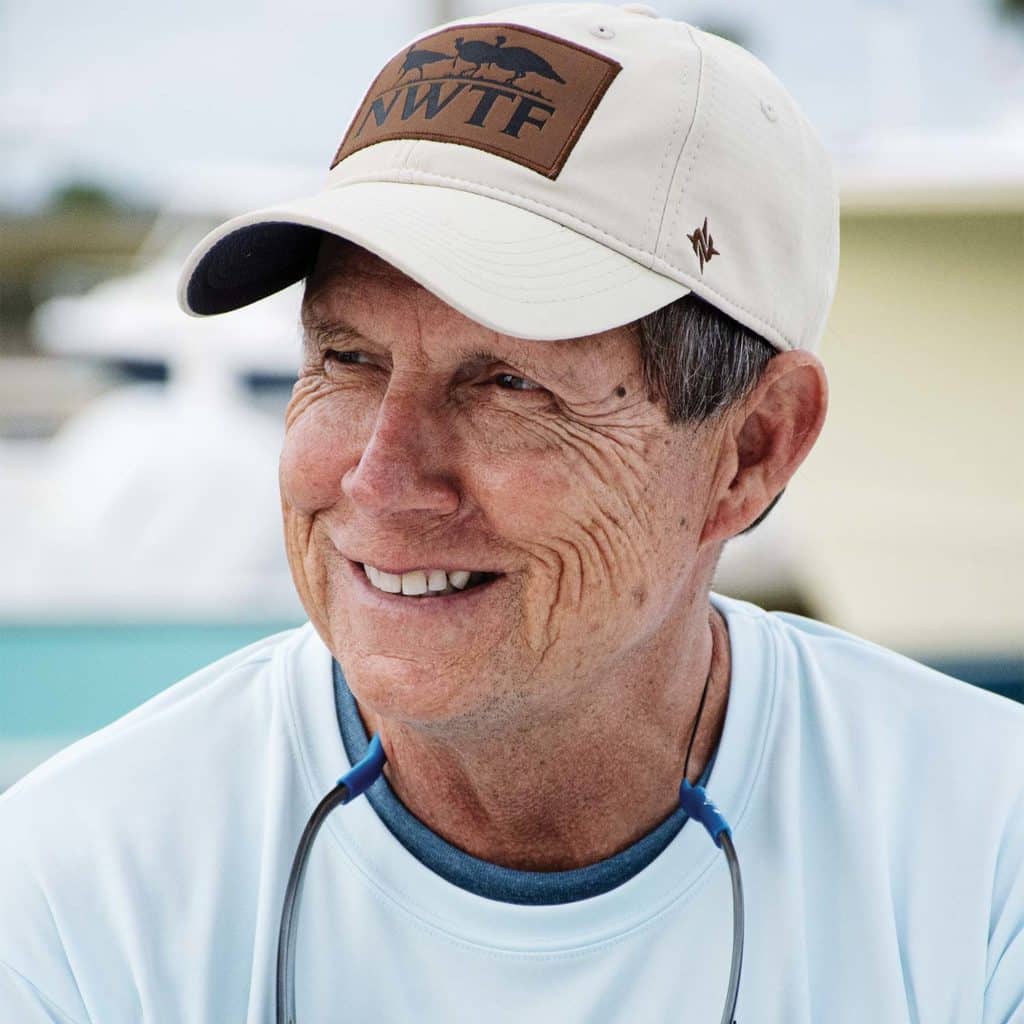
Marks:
<point>562,296</point>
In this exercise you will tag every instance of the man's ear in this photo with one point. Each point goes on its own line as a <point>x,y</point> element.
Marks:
<point>765,439</point>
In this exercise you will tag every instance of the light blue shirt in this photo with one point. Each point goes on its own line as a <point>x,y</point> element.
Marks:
<point>876,806</point>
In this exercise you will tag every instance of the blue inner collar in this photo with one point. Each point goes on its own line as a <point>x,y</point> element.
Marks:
<point>481,877</point>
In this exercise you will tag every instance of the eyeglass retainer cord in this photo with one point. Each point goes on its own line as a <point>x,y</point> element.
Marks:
<point>692,799</point>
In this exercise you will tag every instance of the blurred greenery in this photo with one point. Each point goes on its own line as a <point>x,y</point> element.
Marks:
<point>82,195</point>
<point>84,228</point>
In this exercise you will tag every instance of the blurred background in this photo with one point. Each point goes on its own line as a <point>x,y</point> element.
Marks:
<point>139,519</point>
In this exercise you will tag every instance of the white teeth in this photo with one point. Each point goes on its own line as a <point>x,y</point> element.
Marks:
<point>389,582</point>
<point>414,582</point>
<point>419,581</point>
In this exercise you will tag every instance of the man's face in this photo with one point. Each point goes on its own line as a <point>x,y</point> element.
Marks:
<point>417,438</point>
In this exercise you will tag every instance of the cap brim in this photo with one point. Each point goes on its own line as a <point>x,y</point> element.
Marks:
<point>505,267</point>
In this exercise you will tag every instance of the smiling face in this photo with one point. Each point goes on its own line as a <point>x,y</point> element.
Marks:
<point>418,439</point>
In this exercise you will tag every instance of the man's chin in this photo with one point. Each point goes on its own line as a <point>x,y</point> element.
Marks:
<point>417,691</point>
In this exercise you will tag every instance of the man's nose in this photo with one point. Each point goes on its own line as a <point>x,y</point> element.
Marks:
<point>404,467</point>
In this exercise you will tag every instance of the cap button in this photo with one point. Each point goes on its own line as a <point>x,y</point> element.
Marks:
<point>646,9</point>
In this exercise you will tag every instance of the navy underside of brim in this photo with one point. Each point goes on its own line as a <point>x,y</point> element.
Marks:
<point>251,263</point>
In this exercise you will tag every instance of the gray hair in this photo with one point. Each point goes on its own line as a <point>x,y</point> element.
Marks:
<point>699,362</point>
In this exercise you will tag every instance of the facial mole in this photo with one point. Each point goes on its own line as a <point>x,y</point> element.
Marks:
<point>620,391</point>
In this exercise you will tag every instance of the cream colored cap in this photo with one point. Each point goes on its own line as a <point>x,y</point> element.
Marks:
<point>557,170</point>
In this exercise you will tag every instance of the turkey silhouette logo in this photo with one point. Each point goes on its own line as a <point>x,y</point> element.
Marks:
<point>515,92</point>
<point>517,59</point>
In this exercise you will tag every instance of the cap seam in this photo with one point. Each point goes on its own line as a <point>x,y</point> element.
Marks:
<point>668,150</point>
<point>704,76</point>
<point>408,153</point>
<point>682,149</point>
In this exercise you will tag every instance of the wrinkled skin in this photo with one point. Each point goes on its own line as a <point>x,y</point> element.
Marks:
<point>606,521</point>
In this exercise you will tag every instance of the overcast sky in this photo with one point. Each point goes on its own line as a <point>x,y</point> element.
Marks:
<point>143,96</point>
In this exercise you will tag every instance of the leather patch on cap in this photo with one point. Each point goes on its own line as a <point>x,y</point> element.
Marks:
<point>512,91</point>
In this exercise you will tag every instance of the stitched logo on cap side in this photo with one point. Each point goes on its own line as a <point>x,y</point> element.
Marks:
<point>703,245</point>
<point>512,91</point>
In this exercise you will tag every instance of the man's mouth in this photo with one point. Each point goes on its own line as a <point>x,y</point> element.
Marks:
<point>425,583</point>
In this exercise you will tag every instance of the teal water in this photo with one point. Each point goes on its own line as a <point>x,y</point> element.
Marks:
<point>70,680</point>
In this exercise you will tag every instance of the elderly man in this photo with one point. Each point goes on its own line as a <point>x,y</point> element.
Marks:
<point>562,294</point>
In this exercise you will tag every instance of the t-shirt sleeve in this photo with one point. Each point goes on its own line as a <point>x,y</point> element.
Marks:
<point>22,1001</point>
<point>1004,993</point>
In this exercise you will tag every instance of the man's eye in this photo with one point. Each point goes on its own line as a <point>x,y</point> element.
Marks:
<point>522,383</point>
<point>334,355</point>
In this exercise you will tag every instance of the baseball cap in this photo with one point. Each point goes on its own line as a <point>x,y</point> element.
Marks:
<point>556,170</point>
